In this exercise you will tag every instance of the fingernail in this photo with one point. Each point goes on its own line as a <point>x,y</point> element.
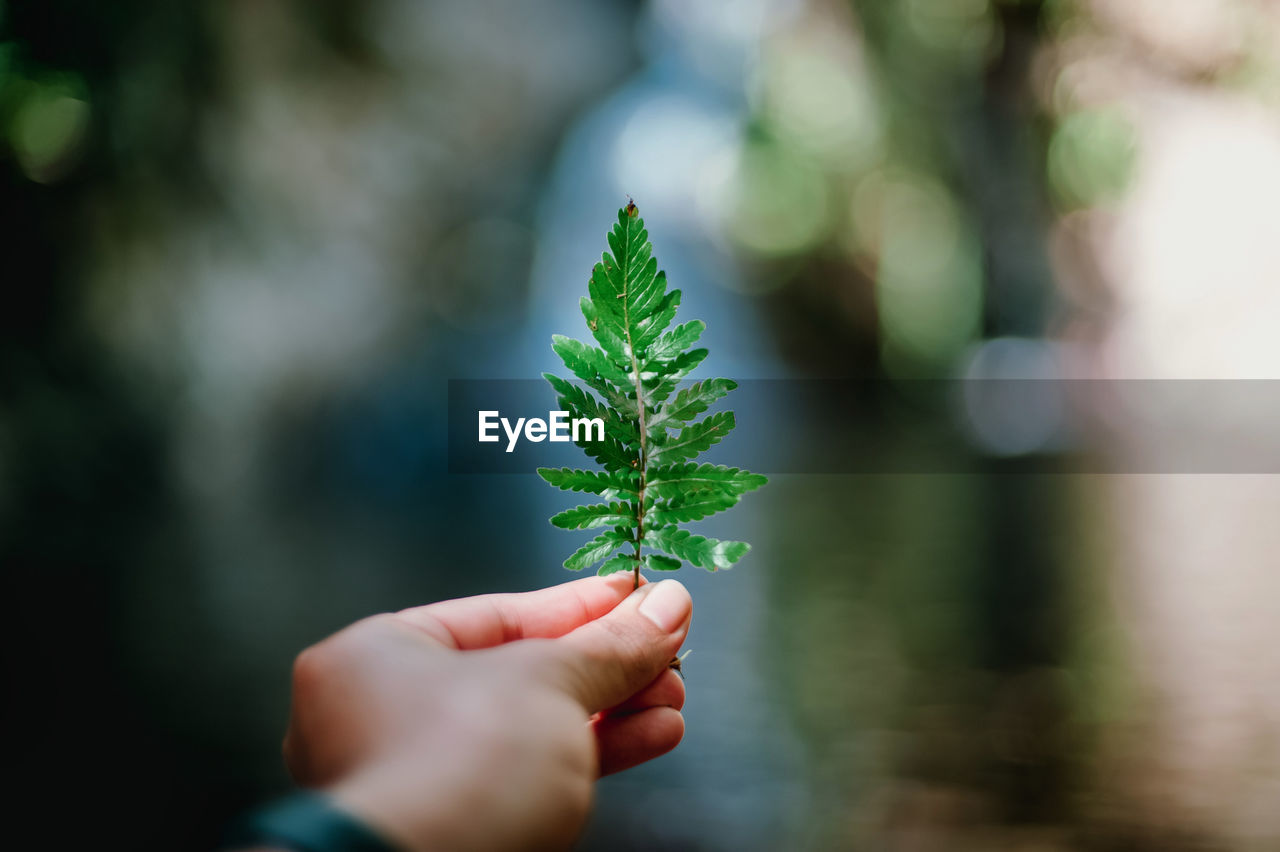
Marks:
<point>666,605</point>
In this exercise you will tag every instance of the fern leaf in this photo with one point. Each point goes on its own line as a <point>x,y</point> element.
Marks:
<point>658,562</point>
<point>594,515</point>
<point>595,550</point>
<point>580,403</point>
<point>670,481</point>
<point>697,550</point>
<point>593,482</point>
<point>612,454</point>
<point>673,342</point>
<point>693,400</point>
<point>673,371</point>
<point>649,436</point>
<point>621,562</point>
<point>589,363</point>
<point>606,335</point>
<point>689,507</point>
<point>648,329</point>
<point>694,438</point>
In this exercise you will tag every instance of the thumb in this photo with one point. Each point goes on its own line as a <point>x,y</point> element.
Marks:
<point>606,661</point>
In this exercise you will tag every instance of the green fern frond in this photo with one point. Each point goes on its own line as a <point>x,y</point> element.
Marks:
<point>627,381</point>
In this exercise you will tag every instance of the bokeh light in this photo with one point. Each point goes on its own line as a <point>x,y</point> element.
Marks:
<point>814,93</point>
<point>772,201</point>
<point>1091,158</point>
<point>929,274</point>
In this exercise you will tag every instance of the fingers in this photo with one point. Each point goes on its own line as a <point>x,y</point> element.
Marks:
<point>624,741</point>
<point>606,661</point>
<point>488,620</point>
<point>667,690</point>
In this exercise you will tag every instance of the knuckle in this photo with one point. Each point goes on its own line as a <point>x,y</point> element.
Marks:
<point>309,669</point>
<point>322,662</point>
<point>626,649</point>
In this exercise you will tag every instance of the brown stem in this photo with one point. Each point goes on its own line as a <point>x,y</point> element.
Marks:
<point>639,520</point>
<point>640,406</point>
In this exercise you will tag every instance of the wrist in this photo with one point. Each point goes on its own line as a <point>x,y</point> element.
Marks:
<point>396,808</point>
<point>306,822</point>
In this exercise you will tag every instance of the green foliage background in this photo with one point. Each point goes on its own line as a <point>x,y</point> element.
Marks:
<point>245,242</point>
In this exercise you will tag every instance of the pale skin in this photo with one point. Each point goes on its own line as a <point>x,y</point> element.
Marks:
<point>484,722</point>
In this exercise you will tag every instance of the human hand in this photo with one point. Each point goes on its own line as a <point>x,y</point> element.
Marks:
<point>482,723</point>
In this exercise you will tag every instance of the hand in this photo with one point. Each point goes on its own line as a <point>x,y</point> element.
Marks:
<point>482,723</point>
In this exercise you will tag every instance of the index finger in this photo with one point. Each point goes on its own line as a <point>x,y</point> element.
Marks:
<point>484,621</point>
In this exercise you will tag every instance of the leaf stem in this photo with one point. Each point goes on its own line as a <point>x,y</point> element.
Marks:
<point>640,405</point>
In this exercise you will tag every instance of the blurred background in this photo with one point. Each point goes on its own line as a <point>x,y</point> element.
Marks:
<point>246,244</point>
